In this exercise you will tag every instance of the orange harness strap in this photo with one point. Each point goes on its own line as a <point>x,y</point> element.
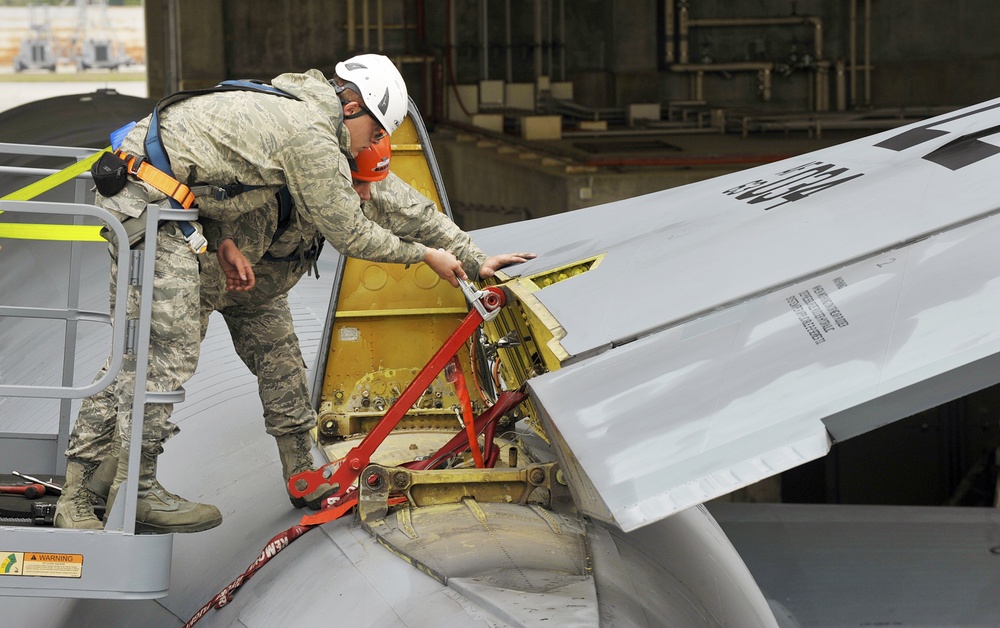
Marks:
<point>145,171</point>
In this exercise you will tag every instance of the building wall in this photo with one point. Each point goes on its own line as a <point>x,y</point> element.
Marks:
<point>923,52</point>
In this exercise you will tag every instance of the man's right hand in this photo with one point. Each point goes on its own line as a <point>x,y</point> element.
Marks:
<point>445,265</point>
<point>239,271</point>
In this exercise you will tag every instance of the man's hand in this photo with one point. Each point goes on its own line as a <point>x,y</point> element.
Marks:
<point>492,264</point>
<point>239,272</point>
<point>445,265</point>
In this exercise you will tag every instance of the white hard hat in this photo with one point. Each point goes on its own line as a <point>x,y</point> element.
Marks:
<point>381,86</point>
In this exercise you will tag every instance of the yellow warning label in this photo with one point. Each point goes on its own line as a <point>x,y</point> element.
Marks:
<point>41,564</point>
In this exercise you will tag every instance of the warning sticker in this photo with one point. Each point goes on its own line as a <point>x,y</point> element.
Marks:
<point>817,311</point>
<point>11,563</point>
<point>349,334</point>
<point>41,564</point>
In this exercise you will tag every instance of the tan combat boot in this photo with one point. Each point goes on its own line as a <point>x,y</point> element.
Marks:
<point>295,451</point>
<point>104,476</point>
<point>75,508</point>
<point>158,510</point>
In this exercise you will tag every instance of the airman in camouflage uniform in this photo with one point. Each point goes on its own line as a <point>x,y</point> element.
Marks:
<point>260,321</point>
<point>265,142</point>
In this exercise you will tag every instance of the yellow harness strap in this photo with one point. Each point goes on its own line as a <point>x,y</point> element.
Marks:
<point>20,231</point>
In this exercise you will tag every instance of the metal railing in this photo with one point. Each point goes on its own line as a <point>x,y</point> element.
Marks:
<point>115,562</point>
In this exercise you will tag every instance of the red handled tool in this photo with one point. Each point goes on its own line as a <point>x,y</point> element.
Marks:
<point>30,491</point>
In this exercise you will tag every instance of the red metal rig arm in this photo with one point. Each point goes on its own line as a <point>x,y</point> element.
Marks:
<point>344,473</point>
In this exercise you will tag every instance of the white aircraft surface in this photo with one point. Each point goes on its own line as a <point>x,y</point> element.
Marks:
<point>674,347</point>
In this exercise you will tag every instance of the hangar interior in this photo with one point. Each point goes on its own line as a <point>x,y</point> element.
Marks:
<point>587,102</point>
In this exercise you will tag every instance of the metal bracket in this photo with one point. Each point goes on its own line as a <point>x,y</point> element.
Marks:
<point>542,484</point>
<point>135,267</point>
<point>481,300</point>
<point>131,335</point>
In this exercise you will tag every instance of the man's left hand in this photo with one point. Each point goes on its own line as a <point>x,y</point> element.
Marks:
<point>495,263</point>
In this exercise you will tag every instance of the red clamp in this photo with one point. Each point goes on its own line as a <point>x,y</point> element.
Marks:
<point>343,473</point>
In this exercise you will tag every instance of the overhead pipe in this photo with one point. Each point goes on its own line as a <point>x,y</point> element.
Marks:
<point>421,26</point>
<point>380,25</point>
<point>853,45</point>
<point>484,35</point>
<point>818,96</point>
<point>365,39</point>
<point>352,41</point>
<point>551,41</point>
<point>668,31</point>
<point>171,37</point>
<point>449,34</point>
<point>538,39</point>
<point>841,98</point>
<point>562,40</point>
<point>792,20</point>
<point>682,32</point>
<point>510,60</point>
<point>868,53</point>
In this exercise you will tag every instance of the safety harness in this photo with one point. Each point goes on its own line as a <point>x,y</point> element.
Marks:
<point>154,169</point>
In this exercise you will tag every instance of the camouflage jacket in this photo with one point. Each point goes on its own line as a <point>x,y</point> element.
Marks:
<point>271,141</point>
<point>394,205</point>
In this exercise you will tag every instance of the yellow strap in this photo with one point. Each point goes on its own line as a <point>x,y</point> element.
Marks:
<point>82,233</point>
<point>71,233</point>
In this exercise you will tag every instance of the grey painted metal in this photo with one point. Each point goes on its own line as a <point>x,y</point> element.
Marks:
<point>728,319</point>
<point>118,335</point>
<point>23,451</point>
<point>830,565</point>
<point>45,150</point>
<point>72,329</point>
<point>40,171</point>
<point>340,571</point>
<point>533,569</point>
<point>116,563</point>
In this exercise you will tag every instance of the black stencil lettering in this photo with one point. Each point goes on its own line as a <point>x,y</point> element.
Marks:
<point>926,133</point>
<point>965,151</point>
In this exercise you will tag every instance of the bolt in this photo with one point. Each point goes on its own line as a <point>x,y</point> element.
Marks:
<point>400,479</point>
<point>537,476</point>
<point>301,485</point>
<point>560,478</point>
<point>327,473</point>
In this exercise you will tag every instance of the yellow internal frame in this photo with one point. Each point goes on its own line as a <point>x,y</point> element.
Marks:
<point>390,320</point>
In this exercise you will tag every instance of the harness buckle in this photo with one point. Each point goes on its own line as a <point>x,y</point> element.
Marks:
<point>137,161</point>
<point>226,192</point>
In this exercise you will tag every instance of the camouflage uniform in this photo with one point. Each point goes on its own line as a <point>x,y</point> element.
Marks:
<point>219,139</point>
<point>260,321</point>
<point>173,355</point>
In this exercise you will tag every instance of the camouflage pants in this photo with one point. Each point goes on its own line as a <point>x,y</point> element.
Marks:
<point>173,357</point>
<point>260,323</point>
